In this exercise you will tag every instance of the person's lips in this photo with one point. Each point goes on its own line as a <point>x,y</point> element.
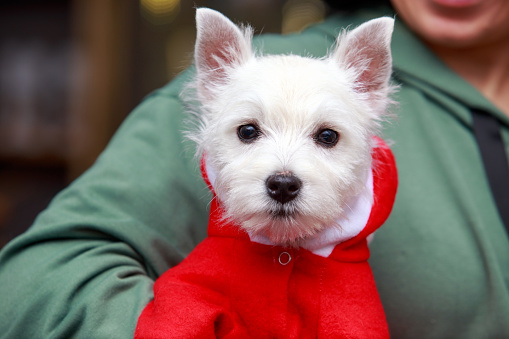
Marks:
<point>457,4</point>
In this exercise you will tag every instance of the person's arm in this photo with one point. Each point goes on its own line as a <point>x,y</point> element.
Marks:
<point>86,267</point>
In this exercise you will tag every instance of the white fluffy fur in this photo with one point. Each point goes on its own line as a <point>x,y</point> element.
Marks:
<point>290,98</point>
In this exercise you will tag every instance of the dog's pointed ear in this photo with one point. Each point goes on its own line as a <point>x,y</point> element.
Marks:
<point>366,51</point>
<point>220,46</point>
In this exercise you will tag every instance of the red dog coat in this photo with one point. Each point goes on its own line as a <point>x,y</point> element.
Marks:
<point>232,286</point>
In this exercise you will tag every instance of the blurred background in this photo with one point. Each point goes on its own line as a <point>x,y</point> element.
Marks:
<point>71,71</point>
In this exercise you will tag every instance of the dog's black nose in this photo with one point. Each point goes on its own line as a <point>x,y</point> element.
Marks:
<point>283,187</point>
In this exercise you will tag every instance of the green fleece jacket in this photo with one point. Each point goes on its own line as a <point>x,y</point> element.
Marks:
<point>85,269</point>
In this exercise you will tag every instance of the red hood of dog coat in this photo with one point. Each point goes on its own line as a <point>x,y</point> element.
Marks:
<point>232,287</point>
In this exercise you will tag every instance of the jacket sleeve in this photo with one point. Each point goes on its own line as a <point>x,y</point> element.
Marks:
<point>85,269</point>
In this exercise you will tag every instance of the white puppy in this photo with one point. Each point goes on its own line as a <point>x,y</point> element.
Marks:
<point>288,139</point>
<point>289,146</point>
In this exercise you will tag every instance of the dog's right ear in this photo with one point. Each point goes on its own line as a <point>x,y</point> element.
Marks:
<point>366,51</point>
<point>220,46</point>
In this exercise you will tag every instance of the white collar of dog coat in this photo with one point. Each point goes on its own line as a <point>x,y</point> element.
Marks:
<point>350,224</point>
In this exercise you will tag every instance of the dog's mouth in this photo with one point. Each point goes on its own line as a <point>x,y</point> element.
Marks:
<point>282,213</point>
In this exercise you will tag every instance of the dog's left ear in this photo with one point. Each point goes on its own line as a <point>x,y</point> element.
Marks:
<point>366,51</point>
<point>220,46</point>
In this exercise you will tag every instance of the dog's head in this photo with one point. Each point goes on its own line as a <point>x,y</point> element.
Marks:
<point>289,138</point>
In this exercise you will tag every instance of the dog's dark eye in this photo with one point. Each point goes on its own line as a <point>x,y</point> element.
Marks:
<point>248,133</point>
<point>327,137</point>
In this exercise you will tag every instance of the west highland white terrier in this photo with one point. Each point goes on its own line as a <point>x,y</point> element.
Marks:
<point>289,147</point>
